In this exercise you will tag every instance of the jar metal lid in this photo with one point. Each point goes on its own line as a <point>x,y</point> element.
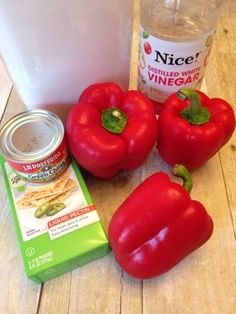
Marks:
<point>31,135</point>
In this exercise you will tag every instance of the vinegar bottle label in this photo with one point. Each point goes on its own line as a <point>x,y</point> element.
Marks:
<point>166,66</point>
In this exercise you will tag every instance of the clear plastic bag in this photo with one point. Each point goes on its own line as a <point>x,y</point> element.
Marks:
<point>54,49</point>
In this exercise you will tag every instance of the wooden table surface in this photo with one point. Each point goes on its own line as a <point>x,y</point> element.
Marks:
<point>204,282</point>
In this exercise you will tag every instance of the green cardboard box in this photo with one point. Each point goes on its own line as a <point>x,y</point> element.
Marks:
<point>55,242</point>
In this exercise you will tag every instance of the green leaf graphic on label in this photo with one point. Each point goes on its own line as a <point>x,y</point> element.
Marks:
<point>145,34</point>
<point>209,40</point>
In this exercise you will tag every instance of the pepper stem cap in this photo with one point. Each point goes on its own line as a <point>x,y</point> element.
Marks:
<point>195,113</point>
<point>114,120</point>
<point>182,172</point>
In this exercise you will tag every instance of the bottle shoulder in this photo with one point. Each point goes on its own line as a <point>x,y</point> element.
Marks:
<point>178,20</point>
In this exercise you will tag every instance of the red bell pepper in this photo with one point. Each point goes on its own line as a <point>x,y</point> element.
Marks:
<point>111,130</point>
<point>158,225</point>
<point>193,128</point>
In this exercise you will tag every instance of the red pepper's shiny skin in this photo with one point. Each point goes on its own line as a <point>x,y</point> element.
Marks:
<point>157,226</point>
<point>193,145</point>
<point>99,151</point>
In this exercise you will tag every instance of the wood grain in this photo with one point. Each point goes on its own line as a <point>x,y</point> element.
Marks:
<point>204,282</point>
<point>5,88</point>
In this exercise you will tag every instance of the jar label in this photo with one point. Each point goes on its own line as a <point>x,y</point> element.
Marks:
<point>46,169</point>
<point>166,66</point>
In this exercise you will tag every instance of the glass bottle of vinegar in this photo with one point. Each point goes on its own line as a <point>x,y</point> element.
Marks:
<point>176,38</point>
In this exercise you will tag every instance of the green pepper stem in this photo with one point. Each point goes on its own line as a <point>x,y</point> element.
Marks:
<point>195,113</point>
<point>181,171</point>
<point>113,120</point>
